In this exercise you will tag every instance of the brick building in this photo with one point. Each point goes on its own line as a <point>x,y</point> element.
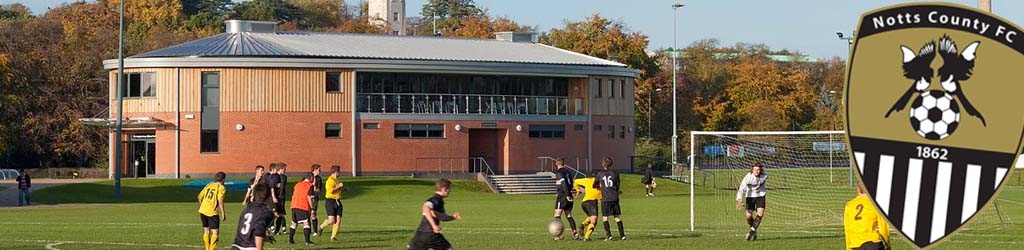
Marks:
<point>374,104</point>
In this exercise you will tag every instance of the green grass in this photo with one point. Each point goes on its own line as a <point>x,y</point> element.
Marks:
<point>381,213</point>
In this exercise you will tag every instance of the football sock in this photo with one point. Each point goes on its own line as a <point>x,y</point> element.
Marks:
<point>607,229</point>
<point>213,241</point>
<point>572,223</point>
<point>291,234</point>
<point>750,221</point>
<point>757,223</point>
<point>589,231</point>
<point>622,233</point>
<point>305,233</point>
<point>334,230</point>
<point>206,240</point>
<point>314,223</point>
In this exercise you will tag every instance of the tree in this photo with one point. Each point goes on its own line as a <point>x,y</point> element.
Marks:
<point>152,12</point>
<point>266,10</point>
<point>447,14</point>
<point>484,27</point>
<point>211,7</point>
<point>599,37</point>
<point>13,11</point>
<point>319,14</point>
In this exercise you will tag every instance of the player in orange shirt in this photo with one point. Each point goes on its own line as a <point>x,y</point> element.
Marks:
<point>301,202</point>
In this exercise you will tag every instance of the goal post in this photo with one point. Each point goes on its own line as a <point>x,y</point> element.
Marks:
<point>810,177</point>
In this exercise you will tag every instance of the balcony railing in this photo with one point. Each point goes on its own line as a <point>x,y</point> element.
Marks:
<point>468,104</point>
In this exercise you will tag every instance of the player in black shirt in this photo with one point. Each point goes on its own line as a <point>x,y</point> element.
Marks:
<point>262,178</point>
<point>563,198</point>
<point>253,222</point>
<point>314,192</point>
<point>608,181</point>
<point>428,235</point>
<point>280,188</point>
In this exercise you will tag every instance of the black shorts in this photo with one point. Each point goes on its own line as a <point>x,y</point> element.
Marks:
<point>590,207</point>
<point>872,246</point>
<point>755,202</point>
<point>212,222</point>
<point>563,203</point>
<point>334,207</point>
<point>299,215</point>
<point>609,208</point>
<point>279,207</point>
<point>428,240</point>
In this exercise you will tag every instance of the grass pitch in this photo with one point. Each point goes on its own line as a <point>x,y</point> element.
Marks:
<point>382,213</point>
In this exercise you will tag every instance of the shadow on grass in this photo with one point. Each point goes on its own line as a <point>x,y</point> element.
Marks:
<point>157,191</point>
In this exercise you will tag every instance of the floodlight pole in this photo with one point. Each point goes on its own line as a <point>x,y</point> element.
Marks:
<point>675,129</point>
<point>120,105</point>
<point>849,48</point>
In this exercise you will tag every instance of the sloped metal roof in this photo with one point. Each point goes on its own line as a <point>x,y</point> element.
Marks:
<point>366,46</point>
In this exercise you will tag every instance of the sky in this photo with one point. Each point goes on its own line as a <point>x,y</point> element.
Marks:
<point>807,26</point>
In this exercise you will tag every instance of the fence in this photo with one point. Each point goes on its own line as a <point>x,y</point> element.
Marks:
<point>67,173</point>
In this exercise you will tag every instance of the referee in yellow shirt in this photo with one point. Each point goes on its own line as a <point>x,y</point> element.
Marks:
<point>865,228</point>
<point>211,210</point>
<point>332,191</point>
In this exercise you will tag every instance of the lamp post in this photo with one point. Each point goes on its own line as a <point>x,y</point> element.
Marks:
<point>650,126</point>
<point>675,132</point>
<point>120,105</point>
<point>849,43</point>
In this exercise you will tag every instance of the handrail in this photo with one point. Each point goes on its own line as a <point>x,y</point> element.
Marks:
<point>545,159</point>
<point>465,165</point>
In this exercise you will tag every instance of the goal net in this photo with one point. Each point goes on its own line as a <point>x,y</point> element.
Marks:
<point>809,182</point>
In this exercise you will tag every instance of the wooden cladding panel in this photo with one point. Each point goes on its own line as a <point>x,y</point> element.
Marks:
<point>621,104</point>
<point>165,92</point>
<point>243,90</point>
<point>283,90</point>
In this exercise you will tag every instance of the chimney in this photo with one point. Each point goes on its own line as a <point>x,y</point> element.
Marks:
<point>516,37</point>
<point>239,26</point>
<point>985,5</point>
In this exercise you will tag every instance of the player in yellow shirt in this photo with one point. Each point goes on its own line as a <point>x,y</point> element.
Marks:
<point>864,226</point>
<point>211,210</point>
<point>591,196</point>
<point>332,191</point>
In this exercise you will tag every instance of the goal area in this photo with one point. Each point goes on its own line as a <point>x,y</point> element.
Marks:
<point>810,179</point>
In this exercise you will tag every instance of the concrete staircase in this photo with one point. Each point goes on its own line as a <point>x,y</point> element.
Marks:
<point>540,183</point>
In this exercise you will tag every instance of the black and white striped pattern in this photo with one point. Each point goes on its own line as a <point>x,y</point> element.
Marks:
<point>927,199</point>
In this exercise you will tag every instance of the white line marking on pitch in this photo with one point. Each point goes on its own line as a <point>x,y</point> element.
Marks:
<point>59,242</point>
<point>1011,201</point>
<point>53,246</point>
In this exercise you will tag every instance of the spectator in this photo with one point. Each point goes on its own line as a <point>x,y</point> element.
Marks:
<point>24,183</point>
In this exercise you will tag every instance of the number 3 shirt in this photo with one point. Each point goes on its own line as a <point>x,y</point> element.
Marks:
<point>252,223</point>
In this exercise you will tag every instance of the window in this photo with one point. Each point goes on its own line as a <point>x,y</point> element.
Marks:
<point>371,125</point>
<point>597,127</point>
<point>419,130</point>
<point>332,130</point>
<point>547,131</point>
<point>209,141</point>
<point>138,85</point>
<point>622,89</point>
<point>598,88</point>
<point>622,132</point>
<point>611,88</point>
<point>578,127</point>
<point>333,82</point>
<point>396,16</point>
<point>611,132</point>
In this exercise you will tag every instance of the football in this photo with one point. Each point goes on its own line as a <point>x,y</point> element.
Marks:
<point>555,228</point>
<point>934,115</point>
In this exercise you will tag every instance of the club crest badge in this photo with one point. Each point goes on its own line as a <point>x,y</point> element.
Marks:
<point>930,113</point>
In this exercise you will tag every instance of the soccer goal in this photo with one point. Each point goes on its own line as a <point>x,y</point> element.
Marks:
<point>810,179</point>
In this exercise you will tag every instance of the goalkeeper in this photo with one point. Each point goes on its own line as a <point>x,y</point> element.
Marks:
<point>864,226</point>
<point>751,193</point>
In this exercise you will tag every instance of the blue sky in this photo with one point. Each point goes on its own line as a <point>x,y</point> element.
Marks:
<point>808,26</point>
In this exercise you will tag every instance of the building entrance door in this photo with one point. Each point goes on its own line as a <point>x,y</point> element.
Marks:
<point>490,145</point>
<point>141,156</point>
